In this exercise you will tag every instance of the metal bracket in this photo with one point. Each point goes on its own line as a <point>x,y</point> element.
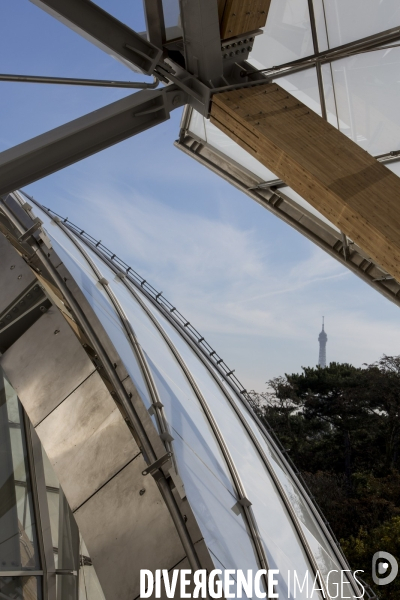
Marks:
<point>198,94</point>
<point>37,223</point>
<point>166,437</point>
<point>178,483</point>
<point>155,405</point>
<point>238,48</point>
<point>243,502</point>
<point>151,469</point>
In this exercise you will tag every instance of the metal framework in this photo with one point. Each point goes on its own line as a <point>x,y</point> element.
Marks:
<point>210,359</point>
<point>192,69</point>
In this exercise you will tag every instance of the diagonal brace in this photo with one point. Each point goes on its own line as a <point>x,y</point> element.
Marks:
<point>85,136</point>
<point>105,31</point>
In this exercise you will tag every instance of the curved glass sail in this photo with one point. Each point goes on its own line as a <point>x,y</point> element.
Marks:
<point>291,534</point>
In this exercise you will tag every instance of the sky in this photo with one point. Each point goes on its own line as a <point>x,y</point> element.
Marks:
<point>254,287</point>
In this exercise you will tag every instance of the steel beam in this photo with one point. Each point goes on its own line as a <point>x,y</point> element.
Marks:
<point>202,40</point>
<point>105,31</point>
<point>155,25</point>
<point>85,136</point>
<point>378,41</point>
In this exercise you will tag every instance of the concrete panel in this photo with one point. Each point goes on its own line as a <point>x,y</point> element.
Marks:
<point>86,440</point>
<point>126,531</point>
<point>45,365</point>
<point>15,275</point>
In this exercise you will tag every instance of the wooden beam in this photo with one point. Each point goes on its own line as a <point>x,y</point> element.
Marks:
<point>242,16</point>
<point>340,179</point>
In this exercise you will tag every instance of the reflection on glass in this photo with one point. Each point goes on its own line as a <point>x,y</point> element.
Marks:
<point>18,539</point>
<point>367,94</point>
<point>89,586</point>
<point>76,578</point>
<point>287,35</point>
<point>79,582</point>
<point>283,548</point>
<point>203,469</point>
<point>20,588</point>
<point>203,129</point>
<point>95,294</point>
<point>304,87</point>
<point>345,21</point>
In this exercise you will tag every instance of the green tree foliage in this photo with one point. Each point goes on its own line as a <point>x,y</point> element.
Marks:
<point>341,427</point>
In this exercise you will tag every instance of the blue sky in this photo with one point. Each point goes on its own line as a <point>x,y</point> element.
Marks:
<point>253,286</point>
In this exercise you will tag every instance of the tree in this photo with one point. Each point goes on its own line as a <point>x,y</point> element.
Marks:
<point>341,427</point>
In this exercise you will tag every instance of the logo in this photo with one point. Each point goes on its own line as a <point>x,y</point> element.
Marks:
<point>380,565</point>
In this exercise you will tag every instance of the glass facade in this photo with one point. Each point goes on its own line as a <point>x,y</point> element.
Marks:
<point>221,452</point>
<point>251,509</point>
<point>35,563</point>
<point>360,93</point>
<point>18,542</point>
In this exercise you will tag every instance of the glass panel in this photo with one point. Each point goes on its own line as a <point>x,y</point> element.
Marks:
<point>201,464</point>
<point>18,539</point>
<point>287,35</point>
<point>303,203</point>
<point>260,487</point>
<point>70,552</point>
<point>348,21</point>
<point>283,548</point>
<point>97,298</point>
<point>330,98</point>
<point>89,586</point>
<point>21,588</point>
<point>172,19</point>
<point>304,86</point>
<point>367,95</point>
<point>293,493</point>
<point>205,130</point>
<point>394,167</point>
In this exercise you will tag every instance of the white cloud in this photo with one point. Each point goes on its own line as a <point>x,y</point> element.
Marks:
<point>226,280</point>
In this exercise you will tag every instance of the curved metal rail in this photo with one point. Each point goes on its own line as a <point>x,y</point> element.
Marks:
<point>211,355</point>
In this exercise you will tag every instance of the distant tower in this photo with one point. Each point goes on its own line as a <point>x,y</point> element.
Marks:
<point>322,338</point>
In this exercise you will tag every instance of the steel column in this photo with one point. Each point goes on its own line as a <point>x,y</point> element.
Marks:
<point>202,40</point>
<point>155,25</point>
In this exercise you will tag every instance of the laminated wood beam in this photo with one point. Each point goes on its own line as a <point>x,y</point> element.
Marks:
<point>340,179</point>
<point>242,16</point>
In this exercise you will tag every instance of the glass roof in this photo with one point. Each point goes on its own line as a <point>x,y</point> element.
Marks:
<point>343,21</point>
<point>360,91</point>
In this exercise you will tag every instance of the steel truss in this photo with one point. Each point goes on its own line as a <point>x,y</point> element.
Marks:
<point>205,68</point>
